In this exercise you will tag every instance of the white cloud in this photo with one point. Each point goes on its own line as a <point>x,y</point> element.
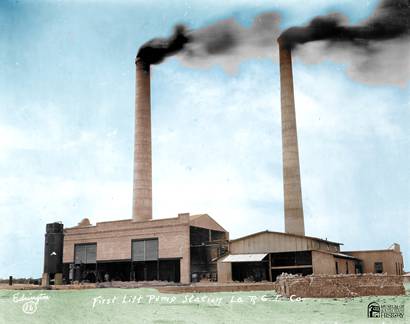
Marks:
<point>27,205</point>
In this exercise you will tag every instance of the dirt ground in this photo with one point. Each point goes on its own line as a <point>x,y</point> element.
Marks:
<point>148,305</point>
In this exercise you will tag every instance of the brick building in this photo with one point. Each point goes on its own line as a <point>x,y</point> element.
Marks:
<point>172,249</point>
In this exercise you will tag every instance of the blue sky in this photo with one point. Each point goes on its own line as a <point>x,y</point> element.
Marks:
<point>66,128</point>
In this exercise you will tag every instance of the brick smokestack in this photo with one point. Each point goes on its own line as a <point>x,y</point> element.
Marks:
<point>142,191</point>
<point>294,222</point>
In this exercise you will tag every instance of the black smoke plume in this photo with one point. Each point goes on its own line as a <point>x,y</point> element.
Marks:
<point>390,20</point>
<point>157,49</point>
<point>225,42</point>
<point>375,51</point>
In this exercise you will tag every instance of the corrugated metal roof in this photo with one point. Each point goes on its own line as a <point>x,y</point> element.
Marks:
<point>346,256</point>
<point>255,257</point>
<point>285,234</point>
<point>338,254</point>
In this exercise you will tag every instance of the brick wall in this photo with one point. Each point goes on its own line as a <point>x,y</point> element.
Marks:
<point>114,240</point>
<point>339,286</point>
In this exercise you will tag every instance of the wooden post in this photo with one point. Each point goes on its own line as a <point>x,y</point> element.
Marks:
<point>270,267</point>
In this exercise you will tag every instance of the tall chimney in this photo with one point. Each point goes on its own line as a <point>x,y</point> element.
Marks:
<point>142,191</point>
<point>294,222</point>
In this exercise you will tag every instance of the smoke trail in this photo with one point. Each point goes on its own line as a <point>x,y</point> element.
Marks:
<point>374,52</point>
<point>226,43</point>
<point>390,20</point>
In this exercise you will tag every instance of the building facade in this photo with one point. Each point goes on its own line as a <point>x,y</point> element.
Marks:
<point>191,248</point>
<point>265,255</point>
<point>177,249</point>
